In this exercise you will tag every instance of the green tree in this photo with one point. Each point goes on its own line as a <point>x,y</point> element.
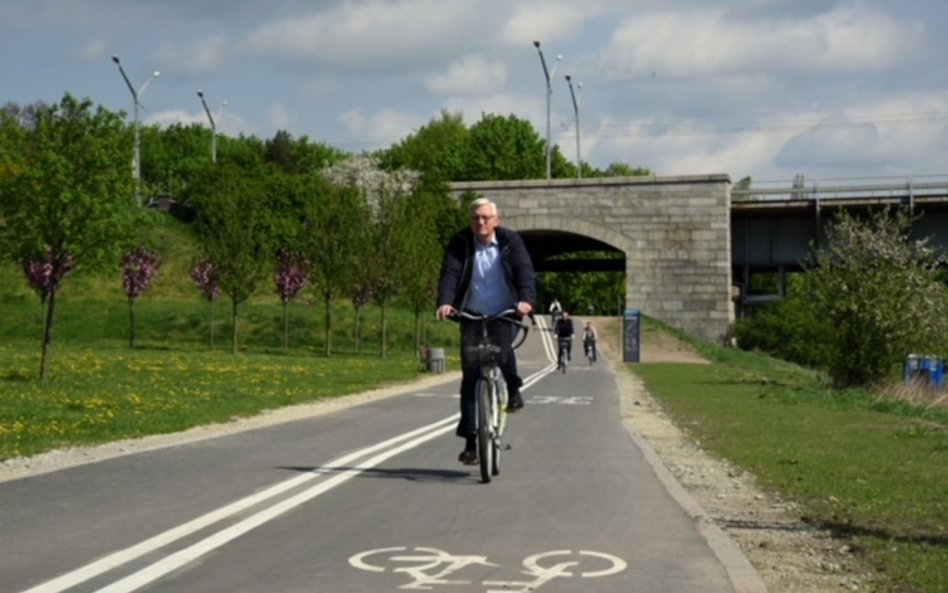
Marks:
<point>876,288</point>
<point>334,242</point>
<point>66,193</point>
<point>235,228</point>
<point>300,156</point>
<point>420,251</point>
<point>502,148</point>
<point>174,156</point>
<point>437,149</point>
<point>617,169</point>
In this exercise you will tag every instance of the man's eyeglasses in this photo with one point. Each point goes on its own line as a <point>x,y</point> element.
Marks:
<point>476,218</point>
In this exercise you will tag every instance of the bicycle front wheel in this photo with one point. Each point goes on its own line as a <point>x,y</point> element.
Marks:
<point>485,448</point>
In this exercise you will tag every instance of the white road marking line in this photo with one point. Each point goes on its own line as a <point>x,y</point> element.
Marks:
<point>122,557</point>
<point>191,553</point>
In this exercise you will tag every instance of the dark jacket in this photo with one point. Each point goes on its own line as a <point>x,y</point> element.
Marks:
<point>564,328</point>
<point>458,267</point>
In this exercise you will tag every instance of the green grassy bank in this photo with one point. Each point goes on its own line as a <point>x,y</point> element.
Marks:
<point>871,470</point>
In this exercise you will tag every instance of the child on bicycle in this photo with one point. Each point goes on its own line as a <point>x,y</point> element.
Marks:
<point>589,340</point>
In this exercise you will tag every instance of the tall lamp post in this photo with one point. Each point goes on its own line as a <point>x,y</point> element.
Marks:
<point>548,73</point>
<point>213,124</point>
<point>136,96</point>
<point>572,93</point>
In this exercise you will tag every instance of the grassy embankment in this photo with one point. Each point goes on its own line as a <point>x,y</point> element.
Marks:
<point>101,389</point>
<point>872,470</point>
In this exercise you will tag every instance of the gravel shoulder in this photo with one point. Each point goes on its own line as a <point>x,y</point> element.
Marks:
<point>741,522</point>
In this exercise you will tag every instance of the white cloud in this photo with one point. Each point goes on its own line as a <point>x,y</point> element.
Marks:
<point>545,21</point>
<point>707,42</point>
<point>198,59</point>
<point>321,88</point>
<point>93,50</point>
<point>368,32</point>
<point>523,106</point>
<point>174,116</point>
<point>468,76</point>
<point>382,128</point>
<point>279,117</point>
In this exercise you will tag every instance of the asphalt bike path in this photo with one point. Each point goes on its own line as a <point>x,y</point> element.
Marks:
<point>371,498</point>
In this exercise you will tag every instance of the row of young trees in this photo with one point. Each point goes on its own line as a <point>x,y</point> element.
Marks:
<point>355,230</point>
<point>367,228</point>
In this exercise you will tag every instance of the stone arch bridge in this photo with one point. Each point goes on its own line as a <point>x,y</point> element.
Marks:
<point>674,234</point>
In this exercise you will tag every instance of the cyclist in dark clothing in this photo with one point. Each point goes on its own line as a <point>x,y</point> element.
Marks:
<point>564,332</point>
<point>486,269</point>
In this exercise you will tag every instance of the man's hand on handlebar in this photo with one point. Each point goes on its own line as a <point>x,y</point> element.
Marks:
<point>444,312</point>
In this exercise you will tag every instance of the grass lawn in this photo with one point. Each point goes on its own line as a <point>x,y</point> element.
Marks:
<point>872,470</point>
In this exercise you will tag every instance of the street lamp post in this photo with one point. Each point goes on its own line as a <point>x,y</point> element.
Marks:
<point>136,96</point>
<point>213,124</point>
<point>548,73</point>
<point>572,93</point>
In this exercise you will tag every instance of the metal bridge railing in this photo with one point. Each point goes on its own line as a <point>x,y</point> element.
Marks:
<point>844,188</point>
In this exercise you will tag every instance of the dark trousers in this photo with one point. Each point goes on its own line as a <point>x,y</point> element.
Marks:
<point>469,377</point>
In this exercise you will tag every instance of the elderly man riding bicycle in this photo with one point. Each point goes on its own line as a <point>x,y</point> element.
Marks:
<point>486,269</point>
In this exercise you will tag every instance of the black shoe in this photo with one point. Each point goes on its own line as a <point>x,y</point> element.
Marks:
<point>468,457</point>
<point>515,403</point>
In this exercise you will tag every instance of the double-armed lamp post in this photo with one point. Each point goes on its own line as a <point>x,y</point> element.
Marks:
<point>213,124</point>
<point>548,73</point>
<point>579,161</point>
<point>136,98</point>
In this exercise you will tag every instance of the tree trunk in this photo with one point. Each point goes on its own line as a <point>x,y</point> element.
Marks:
<point>233,318</point>
<point>47,334</point>
<point>131,322</point>
<point>384,328</point>
<point>358,329</point>
<point>211,303</point>
<point>43,304</point>
<point>286,325</point>
<point>328,302</point>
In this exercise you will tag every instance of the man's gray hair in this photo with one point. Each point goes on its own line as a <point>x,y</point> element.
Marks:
<point>483,202</point>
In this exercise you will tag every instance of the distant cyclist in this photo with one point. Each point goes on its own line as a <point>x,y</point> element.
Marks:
<point>589,340</point>
<point>555,311</point>
<point>486,270</point>
<point>564,333</point>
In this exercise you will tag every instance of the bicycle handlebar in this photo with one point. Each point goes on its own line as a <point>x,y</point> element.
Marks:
<point>506,315</point>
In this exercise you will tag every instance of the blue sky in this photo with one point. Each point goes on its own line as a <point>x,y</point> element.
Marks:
<point>767,88</point>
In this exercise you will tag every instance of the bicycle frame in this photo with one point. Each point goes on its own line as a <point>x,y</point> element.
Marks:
<point>490,416</point>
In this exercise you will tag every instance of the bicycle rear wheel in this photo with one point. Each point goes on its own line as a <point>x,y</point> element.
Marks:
<point>485,448</point>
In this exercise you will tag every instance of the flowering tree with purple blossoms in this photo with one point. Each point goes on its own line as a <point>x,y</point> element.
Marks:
<point>43,276</point>
<point>139,268</point>
<point>66,195</point>
<point>290,278</point>
<point>206,280</point>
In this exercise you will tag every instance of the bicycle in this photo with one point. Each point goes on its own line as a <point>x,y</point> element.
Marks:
<point>590,347</point>
<point>485,343</point>
<point>563,357</point>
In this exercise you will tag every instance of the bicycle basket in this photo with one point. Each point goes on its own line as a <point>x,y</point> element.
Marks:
<point>478,349</point>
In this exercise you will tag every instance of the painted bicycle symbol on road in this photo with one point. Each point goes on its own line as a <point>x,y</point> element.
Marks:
<point>430,567</point>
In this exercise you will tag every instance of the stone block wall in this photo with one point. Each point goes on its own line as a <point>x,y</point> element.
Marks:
<point>675,233</point>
